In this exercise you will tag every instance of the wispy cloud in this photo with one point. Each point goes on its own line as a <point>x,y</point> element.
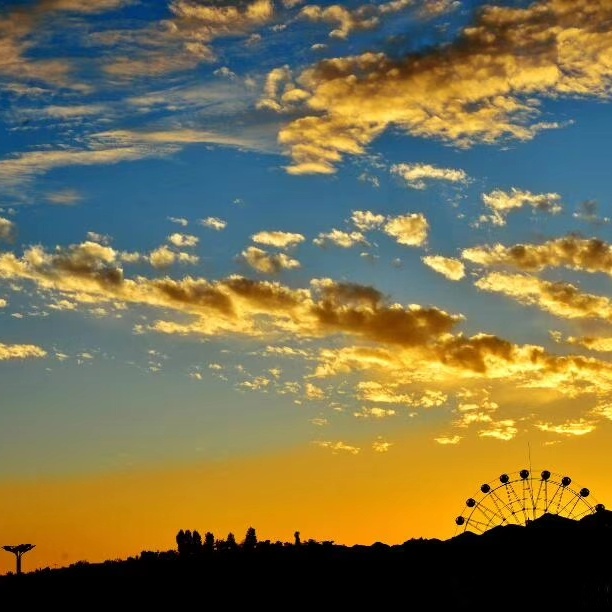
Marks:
<point>65,197</point>
<point>418,176</point>
<point>502,203</point>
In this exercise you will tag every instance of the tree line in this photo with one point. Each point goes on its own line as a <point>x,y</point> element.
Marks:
<point>192,544</point>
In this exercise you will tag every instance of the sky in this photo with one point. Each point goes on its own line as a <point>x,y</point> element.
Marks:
<point>302,267</point>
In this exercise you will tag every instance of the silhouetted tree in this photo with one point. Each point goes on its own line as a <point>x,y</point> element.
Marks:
<point>296,535</point>
<point>219,544</point>
<point>182,542</point>
<point>196,543</point>
<point>250,539</point>
<point>19,551</point>
<point>188,543</point>
<point>209,542</point>
<point>230,542</point>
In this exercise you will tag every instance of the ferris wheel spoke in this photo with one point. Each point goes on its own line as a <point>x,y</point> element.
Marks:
<point>520,498</point>
<point>541,488</point>
<point>500,503</point>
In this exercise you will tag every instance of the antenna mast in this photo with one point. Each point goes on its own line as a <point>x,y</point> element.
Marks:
<point>529,453</point>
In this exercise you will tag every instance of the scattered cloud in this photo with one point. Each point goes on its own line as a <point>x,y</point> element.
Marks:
<point>502,202</point>
<point>584,254</point>
<point>409,230</point>
<point>592,343</point>
<point>179,221</point>
<point>365,220</point>
<point>502,430</point>
<point>381,446</point>
<point>183,240</point>
<point>268,263</point>
<point>568,428</point>
<point>337,237</point>
<point>280,240</point>
<point>99,238</point>
<point>448,440</point>
<point>453,269</point>
<point>560,299</point>
<point>213,223</point>
<point>185,40</point>
<point>163,257</point>
<point>418,176</point>
<point>338,446</point>
<point>7,230</point>
<point>20,351</point>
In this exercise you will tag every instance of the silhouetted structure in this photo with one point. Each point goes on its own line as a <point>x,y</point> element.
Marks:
<point>521,497</point>
<point>547,548</point>
<point>19,551</point>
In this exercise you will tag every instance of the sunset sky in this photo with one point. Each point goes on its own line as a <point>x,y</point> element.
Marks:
<point>318,267</point>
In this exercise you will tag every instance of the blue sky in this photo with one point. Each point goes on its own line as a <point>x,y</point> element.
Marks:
<point>229,229</point>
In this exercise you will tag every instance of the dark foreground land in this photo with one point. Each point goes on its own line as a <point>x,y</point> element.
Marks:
<point>550,564</point>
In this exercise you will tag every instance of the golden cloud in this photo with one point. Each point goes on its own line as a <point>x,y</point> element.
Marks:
<point>336,237</point>
<point>268,263</point>
<point>183,240</point>
<point>363,18</point>
<point>366,220</point>
<point>418,175</point>
<point>20,351</point>
<point>214,223</point>
<point>338,446</point>
<point>412,354</point>
<point>381,446</point>
<point>592,343</point>
<point>368,16</point>
<point>280,240</point>
<point>502,202</point>
<point>561,299</point>
<point>410,230</point>
<point>502,430</point>
<point>184,41</point>
<point>453,269</point>
<point>569,428</point>
<point>583,254</point>
<point>448,440</point>
<point>482,88</point>
<point>163,257</point>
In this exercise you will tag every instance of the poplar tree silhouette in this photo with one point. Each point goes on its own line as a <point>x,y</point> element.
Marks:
<point>19,551</point>
<point>250,539</point>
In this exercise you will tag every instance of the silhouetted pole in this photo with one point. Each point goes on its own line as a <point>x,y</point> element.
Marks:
<point>19,551</point>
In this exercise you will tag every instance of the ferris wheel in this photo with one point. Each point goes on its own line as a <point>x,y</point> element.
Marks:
<point>520,497</point>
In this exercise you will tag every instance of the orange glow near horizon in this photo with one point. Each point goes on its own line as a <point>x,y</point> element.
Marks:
<point>345,498</point>
<point>270,264</point>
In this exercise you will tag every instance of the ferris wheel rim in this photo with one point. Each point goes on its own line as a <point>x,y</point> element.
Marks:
<point>499,502</point>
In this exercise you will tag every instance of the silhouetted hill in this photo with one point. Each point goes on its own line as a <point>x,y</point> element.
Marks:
<point>552,563</point>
